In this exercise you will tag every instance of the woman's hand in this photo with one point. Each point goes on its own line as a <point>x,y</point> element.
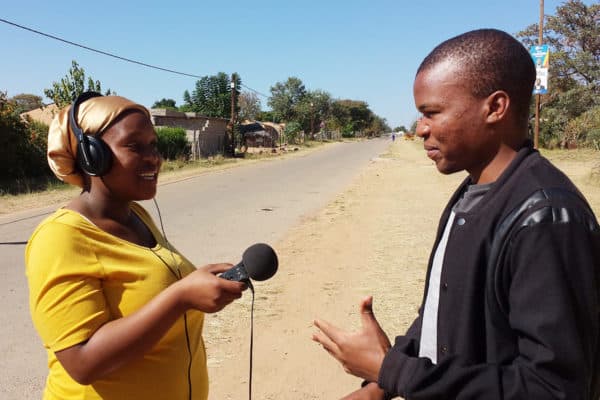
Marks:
<point>121,340</point>
<point>204,291</point>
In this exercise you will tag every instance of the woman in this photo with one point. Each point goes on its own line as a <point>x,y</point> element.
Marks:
<point>119,310</point>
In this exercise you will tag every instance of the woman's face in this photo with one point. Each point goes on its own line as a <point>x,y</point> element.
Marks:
<point>136,160</point>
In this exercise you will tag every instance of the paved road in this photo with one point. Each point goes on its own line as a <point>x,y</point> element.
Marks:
<point>211,217</point>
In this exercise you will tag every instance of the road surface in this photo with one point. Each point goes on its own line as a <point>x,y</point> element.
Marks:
<point>211,217</point>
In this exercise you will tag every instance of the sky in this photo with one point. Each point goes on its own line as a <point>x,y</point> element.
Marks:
<point>365,50</point>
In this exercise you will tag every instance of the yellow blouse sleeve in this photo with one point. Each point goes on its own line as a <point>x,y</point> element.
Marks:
<point>66,300</point>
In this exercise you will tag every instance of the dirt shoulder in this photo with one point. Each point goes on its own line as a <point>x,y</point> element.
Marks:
<point>374,238</point>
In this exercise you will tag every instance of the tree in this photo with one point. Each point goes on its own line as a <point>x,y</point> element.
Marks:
<point>169,104</point>
<point>249,104</point>
<point>400,128</point>
<point>212,96</point>
<point>285,96</point>
<point>26,102</point>
<point>268,116</point>
<point>573,35</point>
<point>413,127</point>
<point>72,85</point>
<point>22,152</point>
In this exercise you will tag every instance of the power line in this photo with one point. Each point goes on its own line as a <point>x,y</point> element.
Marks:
<point>99,51</point>
<point>114,55</point>
<point>255,91</point>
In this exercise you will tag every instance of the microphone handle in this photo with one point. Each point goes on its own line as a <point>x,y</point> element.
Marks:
<point>237,273</point>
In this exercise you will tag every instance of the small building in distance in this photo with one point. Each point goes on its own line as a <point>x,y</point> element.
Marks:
<point>207,135</point>
<point>260,134</point>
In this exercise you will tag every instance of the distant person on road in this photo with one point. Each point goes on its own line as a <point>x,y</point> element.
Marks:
<point>393,137</point>
<point>119,310</point>
<point>511,308</point>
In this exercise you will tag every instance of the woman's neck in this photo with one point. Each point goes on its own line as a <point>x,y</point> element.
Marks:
<point>95,207</point>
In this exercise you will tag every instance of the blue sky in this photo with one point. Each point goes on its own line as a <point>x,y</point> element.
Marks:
<point>354,49</point>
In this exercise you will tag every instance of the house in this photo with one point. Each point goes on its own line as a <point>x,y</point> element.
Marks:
<point>260,134</point>
<point>44,114</point>
<point>207,135</point>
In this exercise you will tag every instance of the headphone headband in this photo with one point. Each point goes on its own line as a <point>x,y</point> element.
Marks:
<point>77,131</point>
<point>93,155</point>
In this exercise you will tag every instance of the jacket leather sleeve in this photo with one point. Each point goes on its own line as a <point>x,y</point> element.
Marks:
<point>550,285</point>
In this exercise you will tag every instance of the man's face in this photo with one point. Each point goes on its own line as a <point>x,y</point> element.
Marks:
<point>452,124</point>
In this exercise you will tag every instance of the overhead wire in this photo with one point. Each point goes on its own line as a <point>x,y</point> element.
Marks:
<point>114,55</point>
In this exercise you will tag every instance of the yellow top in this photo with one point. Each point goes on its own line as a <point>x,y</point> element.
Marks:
<point>80,277</point>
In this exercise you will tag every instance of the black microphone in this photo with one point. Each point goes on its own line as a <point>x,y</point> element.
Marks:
<point>259,263</point>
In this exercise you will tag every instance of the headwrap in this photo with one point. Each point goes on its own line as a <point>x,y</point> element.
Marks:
<point>94,116</point>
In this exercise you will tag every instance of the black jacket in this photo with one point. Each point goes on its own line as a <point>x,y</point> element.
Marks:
<point>519,305</point>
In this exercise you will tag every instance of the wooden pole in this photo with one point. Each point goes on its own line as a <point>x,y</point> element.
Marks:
<point>536,133</point>
<point>232,121</point>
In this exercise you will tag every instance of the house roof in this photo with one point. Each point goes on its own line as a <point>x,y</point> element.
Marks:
<point>44,114</point>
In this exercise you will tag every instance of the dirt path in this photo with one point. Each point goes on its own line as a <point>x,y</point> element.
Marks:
<point>372,239</point>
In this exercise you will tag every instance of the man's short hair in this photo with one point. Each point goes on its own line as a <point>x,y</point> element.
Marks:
<point>490,60</point>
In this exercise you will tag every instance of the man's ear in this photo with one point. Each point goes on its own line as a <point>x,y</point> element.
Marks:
<point>498,104</point>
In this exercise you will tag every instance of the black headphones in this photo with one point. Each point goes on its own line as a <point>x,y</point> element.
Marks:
<point>94,156</point>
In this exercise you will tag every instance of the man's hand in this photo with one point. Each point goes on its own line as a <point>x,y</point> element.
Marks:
<point>360,353</point>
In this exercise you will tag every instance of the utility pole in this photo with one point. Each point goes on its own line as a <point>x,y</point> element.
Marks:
<point>231,132</point>
<point>536,133</point>
<point>312,121</point>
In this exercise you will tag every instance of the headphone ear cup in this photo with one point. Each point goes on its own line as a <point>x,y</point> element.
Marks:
<point>94,156</point>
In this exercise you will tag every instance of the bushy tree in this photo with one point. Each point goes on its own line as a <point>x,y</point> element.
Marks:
<point>172,143</point>
<point>72,85</point>
<point>212,96</point>
<point>292,131</point>
<point>249,106</point>
<point>22,149</point>
<point>585,129</point>
<point>169,104</point>
<point>26,102</point>
<point>573,36</point>
<point>269,116</point>
<point>285,97</point>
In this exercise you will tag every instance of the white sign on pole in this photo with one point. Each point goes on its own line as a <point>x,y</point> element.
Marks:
<point>541,58</point>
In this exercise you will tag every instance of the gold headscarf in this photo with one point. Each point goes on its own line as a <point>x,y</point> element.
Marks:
<point>94,116</point>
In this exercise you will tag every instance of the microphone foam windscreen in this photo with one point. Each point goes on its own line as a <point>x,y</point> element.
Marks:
<point>260,261</point>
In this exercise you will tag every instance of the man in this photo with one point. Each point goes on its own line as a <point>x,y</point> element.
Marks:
<point>512,300</point>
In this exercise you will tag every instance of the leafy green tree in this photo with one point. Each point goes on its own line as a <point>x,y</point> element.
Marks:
<point>573,35</point>
<point>211,96</point>
<point>585,128</point>
<point>292,131</point>
<point>26,102</point>
<point>249,104</point>
<point>72,85</point>
<point>377,127</point>
<point>172,143</point>
<point>315,109</point>
<point>22,152</point>
<point>400,128</point>
<point>268,116</point>
<point>285,96</point>
<point>169,104</point>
